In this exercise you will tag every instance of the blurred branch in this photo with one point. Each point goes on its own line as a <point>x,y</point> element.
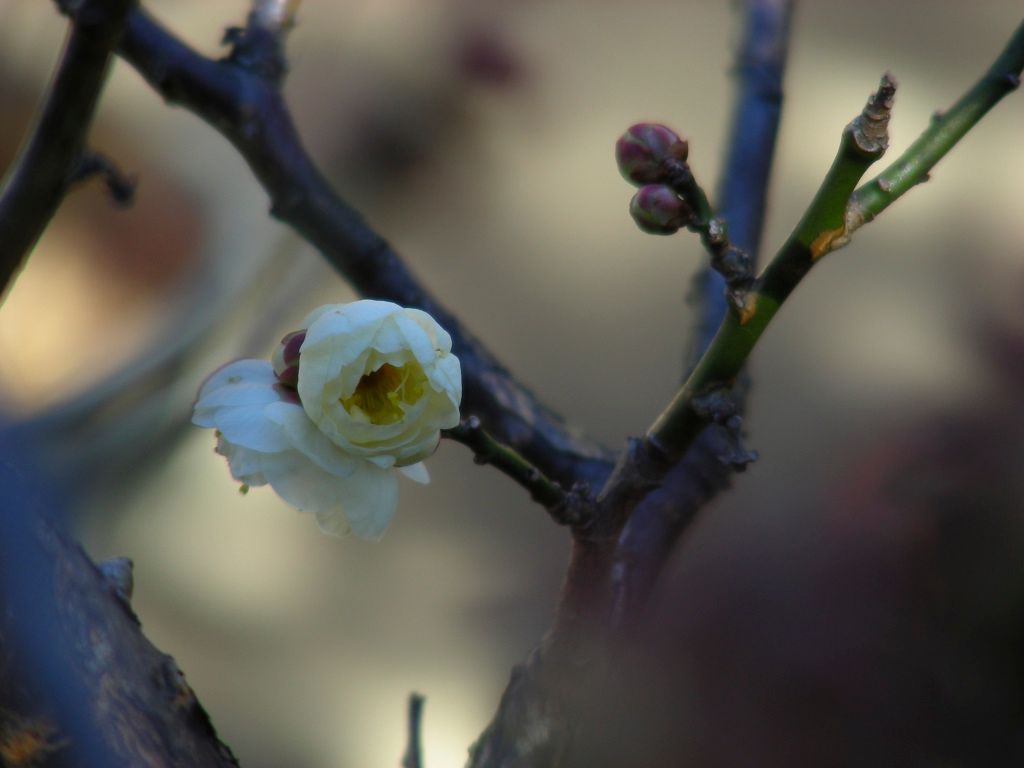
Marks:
<point>79,683</point>
<point>413,757</point>
<point>240,97</point>
<point>660,519</point>
<point>44,169</point>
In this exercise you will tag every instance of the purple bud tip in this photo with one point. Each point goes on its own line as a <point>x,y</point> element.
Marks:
<point>643,152</point>
<point>658,210</point>
<point>286,358</point>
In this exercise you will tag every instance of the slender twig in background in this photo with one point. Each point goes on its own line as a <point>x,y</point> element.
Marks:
<point>44,169</point>
<point>528,704</point>
<point>239,98</point>
<point>413,757</point>
<point>660,519</point>
<point>742,198</point>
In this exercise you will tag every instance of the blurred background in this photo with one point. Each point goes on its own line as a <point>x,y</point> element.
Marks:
<point>881,523</point>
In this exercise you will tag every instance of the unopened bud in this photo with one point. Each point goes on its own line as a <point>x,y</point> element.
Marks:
<point>658,210</point>
<point>286,358</point>
<point>642,152</point>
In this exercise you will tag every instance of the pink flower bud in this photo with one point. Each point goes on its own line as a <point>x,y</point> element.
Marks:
<point>643,150</point>
<point>658,210</point>
<point>286,358</point>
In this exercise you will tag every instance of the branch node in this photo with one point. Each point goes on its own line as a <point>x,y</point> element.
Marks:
<point>258,47</point>
<point>118,572</point>
<point>719,407</point>
<point>120,187</point>
<point>576,510</point>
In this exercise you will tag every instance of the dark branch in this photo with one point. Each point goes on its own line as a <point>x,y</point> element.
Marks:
<point>79,683</point>
<point>36,184</point>
<point>244,103</point>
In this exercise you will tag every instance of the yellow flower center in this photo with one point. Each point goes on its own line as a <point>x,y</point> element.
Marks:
<point>380,394</point>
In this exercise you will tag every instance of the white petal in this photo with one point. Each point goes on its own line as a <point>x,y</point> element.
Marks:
<point>368,500</point>
<point>446,376</point>
<point>249,427</point>
<point>438,335</point>
<point>364,502</point>
<point>304,436</point>
<point>302,483</point>
<point>386,461</point>
<point>249,466</point>
<point>239,372</point>
<point>241,384</point>
<point>319,312</point>
<point>416,339</point>
<point>235,395</point>
<point>357,320</point>
<point>416,472</point>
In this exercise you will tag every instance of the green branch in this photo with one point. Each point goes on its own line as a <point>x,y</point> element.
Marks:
<point>834,214</point>
<point>820,230</point>
<point>946,130</point>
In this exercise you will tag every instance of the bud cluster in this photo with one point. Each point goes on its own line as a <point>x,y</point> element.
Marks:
<point>649,156</point>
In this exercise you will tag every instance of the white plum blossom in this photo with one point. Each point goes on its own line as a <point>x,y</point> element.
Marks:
<point>362,393</point>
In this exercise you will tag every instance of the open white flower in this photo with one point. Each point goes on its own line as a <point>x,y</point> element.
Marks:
<point>376,383</point>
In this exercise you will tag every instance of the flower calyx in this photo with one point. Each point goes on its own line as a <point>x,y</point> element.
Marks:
<point>285,359</point>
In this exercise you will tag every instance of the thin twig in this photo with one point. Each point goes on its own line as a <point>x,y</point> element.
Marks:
<point>727,260</point>
<point>40,176</point>
<point>820,230</point>
<point>244,103</point>
<point>565,507</point>
<point>947,128</point>
<point>413,757</point>
<point>659,520</point>
<point>825,226</point>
